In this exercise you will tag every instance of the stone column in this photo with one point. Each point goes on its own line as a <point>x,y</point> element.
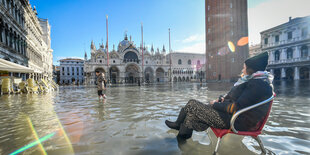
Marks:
<point>271,57</point>
<point>272,71</point>
<point>283,75</point>
<point>296,52</point>
<point>283,54</point>
<point>296,73</point>
<point>122,77</point>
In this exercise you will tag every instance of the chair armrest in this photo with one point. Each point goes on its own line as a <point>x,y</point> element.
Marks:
<point>234,117</point>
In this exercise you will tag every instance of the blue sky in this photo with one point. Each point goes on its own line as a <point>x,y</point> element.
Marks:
<point>75,23</point>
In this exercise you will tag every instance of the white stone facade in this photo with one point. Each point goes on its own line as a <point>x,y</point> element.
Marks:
<point>125,64</point>
<point>188,67</point>
<point>13,32</point>
<point>39,49</point>
<point>25,38</point>
<point>71,71</point>
<point>288,47</point>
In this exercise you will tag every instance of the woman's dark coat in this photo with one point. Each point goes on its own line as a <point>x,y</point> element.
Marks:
<point>242,96</point>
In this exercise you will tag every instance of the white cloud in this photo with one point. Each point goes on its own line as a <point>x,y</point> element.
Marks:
<point>273,13</point>
<point>194,38</point>
<point>199,47</point>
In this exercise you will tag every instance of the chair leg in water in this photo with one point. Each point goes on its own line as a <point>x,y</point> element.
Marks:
<point>259,141</point>
<point>217,145</point>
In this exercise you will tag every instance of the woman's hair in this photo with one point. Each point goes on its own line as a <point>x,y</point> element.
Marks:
<point>248,70</point>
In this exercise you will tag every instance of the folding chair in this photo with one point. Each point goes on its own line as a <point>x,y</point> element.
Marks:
<point>219,133</point>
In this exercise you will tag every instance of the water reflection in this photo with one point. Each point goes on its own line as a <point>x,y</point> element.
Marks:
<point>131,121</point>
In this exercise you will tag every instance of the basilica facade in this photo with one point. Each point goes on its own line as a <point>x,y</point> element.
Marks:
<point>124,64</point>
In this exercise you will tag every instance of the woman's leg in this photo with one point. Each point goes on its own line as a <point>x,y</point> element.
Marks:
<point>176,125</point>
<point>200,116</point>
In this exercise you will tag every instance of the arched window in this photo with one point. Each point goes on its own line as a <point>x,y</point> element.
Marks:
<point>277,55</point>
<point>131,57</point>
<point>15,12</point>
<point>18,44</point>
<point>304,51</point>
<point>1,30</point>
<point>14,41</point>
<point>180,62</point>
<point>198,62</point>
<point>189,62</point>
<point>289,53</point>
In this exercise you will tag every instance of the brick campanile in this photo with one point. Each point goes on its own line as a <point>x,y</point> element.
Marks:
<point>226,20</point>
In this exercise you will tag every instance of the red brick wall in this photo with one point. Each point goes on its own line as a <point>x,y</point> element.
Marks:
<point>221,27</point>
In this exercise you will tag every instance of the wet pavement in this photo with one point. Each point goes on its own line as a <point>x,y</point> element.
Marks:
<point>131,121</point>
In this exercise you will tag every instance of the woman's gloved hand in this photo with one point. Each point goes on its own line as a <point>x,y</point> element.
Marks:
<point>220,99</point>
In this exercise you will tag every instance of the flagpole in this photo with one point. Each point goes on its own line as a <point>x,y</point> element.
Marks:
<point>170,57</point>
<point>107,47</point>
<point>142,52</point>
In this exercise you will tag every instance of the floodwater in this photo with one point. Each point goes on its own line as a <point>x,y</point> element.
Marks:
<point>131,121</point>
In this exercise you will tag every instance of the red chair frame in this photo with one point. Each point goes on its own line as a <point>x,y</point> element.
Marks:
<point>219,133</point>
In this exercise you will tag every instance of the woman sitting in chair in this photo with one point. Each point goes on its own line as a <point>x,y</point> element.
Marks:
<point>255,85</point>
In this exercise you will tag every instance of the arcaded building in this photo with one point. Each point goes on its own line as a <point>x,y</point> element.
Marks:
<point>288,46</point>
<point>226,21</point>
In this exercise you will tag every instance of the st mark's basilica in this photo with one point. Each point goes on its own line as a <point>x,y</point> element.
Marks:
<point>125,64</point>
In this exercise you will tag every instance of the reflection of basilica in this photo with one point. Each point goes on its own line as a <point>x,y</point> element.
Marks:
<point>125,64</point>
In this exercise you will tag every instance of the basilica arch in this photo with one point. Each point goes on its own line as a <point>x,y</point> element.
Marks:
<point>149,75</point>
<point>160,75</point>
<point>132,73</point>
<point>114,74</point>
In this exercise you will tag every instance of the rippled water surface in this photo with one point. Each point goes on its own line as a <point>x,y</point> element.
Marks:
<point>131,121</point>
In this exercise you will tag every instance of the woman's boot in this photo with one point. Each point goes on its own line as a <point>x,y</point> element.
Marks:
<point>176,125</point>
<point>184,133</point>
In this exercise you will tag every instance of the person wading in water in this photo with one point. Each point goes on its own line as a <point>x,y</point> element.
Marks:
<point>101,85</point>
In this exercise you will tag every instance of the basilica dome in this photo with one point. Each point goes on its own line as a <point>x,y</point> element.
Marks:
<point>125,42</point>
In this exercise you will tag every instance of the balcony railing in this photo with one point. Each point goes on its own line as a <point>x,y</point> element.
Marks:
<point>293,60</point>
<point>131,60</point>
